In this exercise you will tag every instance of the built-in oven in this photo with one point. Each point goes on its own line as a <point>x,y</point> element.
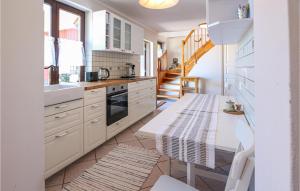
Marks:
<point>117,103</point>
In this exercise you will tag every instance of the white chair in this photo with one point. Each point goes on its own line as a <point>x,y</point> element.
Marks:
<point>240,173</point>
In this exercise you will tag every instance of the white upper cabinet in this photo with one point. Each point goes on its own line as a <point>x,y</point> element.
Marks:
<point>113,33</point>
<point>137,40</point>
<point>224,26</point>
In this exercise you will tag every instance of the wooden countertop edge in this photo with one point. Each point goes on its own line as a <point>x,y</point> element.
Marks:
<point>101,84</point>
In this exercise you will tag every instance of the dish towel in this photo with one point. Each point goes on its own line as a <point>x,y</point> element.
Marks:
<point>192,136</point>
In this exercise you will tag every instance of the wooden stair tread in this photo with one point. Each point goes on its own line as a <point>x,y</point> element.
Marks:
<point>171,84</point>
<point>174,73</point>
<point>169,78</point>
<point>168,96</point>
<point>188,88</point>
<point>168,90</point>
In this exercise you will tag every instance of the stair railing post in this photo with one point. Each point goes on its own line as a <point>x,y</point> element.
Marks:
<point>182,59</point>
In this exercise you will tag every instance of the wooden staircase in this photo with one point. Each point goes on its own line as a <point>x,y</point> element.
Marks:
<point>194,46</point>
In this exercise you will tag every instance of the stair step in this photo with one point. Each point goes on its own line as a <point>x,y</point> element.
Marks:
<point>173,73</point>
<point>170,79</point>
<point>170,84</point>
<point>168,90</point>
<point>168,96</point>
<point>188,88</point>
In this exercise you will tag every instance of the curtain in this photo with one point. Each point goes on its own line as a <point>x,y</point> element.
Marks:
<point>71,57</point>
<point>49,51</point>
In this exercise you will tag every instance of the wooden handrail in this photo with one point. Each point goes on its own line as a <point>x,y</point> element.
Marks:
<point>191,45</point>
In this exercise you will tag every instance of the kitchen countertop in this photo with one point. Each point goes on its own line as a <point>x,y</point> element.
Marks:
<point>105,83</point>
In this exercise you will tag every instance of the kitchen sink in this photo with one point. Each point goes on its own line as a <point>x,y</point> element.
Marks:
<point>55,94</point>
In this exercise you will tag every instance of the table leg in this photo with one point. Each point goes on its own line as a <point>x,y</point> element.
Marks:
<point>191,174</point>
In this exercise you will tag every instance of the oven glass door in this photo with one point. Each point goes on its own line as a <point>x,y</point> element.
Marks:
<point>117,107</point>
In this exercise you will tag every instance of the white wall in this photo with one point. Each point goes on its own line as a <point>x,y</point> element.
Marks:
<point>22,136</point>
<point>173,46</point>
<point>209,69</point>
<point>239,74</point>
<point>273,132</point>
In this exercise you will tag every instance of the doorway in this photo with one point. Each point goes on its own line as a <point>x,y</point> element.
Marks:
<point>147,59</point>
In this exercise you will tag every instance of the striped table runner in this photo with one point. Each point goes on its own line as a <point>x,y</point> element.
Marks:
<point>191,137</point>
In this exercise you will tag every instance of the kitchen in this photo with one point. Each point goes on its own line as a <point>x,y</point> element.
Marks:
<point>57,132</point>
<point>111,96</point>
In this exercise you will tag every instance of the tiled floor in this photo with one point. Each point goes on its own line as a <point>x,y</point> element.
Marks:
<point>56,182</point>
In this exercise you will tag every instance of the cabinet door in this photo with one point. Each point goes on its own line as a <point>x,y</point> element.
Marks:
<point>94,133</point>
<point>117,33</point>
<point>137,40</point>
<point>127,41</point>
<point>62,149</point>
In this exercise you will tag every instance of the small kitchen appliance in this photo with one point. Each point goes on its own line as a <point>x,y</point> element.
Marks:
<point>91,76</point>
<point>131,69</point>
<point>103,74</point>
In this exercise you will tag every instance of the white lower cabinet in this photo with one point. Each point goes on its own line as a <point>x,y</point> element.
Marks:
<point>75,128</point>
<point>94,133</point>
<point>94,118</point>
<point>63,148</point>
<point>142,99</point>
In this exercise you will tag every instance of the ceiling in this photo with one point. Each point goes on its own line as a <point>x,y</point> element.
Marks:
<point>184,16</point>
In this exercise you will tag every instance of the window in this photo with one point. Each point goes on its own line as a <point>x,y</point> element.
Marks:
<point>64,39</point>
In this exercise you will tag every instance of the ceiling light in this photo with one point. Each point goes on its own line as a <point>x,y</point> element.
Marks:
<point>158,4</point>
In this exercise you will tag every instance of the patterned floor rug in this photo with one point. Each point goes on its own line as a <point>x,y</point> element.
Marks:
<point>125,168</point>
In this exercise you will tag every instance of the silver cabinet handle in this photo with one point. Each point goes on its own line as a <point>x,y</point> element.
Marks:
<point>61,116</point>
<point>95,121</point>
<point>95,106</point>
<point>94,91</point>
<point>61,106</point>
<point>62,135</point>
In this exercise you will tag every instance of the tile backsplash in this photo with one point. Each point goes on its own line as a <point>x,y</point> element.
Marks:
<point>114,61</point>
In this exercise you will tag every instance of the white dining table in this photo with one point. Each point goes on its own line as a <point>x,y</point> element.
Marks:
<point>225,132</point>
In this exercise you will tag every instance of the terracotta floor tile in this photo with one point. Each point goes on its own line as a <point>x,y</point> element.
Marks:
<point>148,143</point>
<point>156,173</point>
<point>103,150</point>
<point>164,167</point>
<point>135,127</point>
<point>75,169</point>
<point>201,185</point>
<point>54,188</point>
<point>56,179</point>
<point>214,184</point>
<point>163,158</point>
<point>89,156</point>
<point>183,179</point>
<point>112,141</point>
<point>125,136</point>
<point>146,189</point>
<point>134,143</point>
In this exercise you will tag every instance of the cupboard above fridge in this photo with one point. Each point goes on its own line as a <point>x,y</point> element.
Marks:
<point>113,33</point>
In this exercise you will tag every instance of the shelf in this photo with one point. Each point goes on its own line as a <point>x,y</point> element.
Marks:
<point>229,32</point>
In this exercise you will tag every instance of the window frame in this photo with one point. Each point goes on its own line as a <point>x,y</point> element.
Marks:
<point>56,6</point>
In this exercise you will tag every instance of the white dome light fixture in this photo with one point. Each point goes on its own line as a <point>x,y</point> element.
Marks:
<point>158,4</point>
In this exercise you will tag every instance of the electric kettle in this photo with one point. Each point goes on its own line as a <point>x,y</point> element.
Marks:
<point>103,74</point>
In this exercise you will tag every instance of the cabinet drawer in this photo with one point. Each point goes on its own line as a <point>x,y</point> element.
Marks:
<point>94,133</point>
<point>63,121</point>
<point>141,94</point>
<point>94,96</point>
<point>59,108</point>
<point>63,148</point>
<point>117,127</point>
<point>94,110</point>
<point>141,84</point>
